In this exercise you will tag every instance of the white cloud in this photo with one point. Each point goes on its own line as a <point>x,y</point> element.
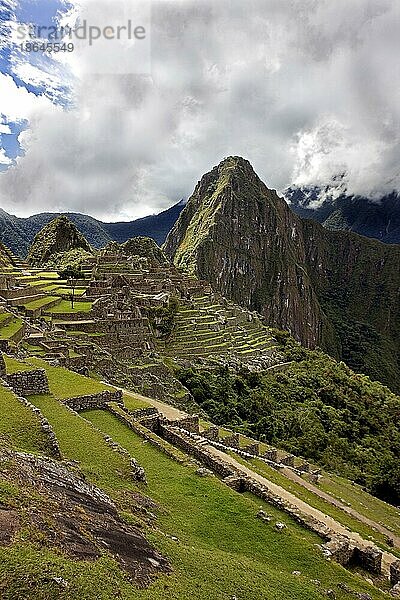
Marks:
<point>4,160</point>
<point>304,90</point>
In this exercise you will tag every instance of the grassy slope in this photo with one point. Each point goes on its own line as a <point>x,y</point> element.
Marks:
<point>65,307</point>
<point>223,549</point>
<point>11,328</point>
<point>19,427</point>
<point>67,384</point>
<point>321,504</point>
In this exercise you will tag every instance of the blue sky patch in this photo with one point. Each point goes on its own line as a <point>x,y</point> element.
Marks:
<point>37,72</point>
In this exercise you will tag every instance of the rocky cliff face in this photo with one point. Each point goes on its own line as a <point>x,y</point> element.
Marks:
<point>331,289</point>
<point>58,236</point>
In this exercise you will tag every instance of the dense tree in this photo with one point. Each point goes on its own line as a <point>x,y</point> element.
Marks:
<point>318,408</point>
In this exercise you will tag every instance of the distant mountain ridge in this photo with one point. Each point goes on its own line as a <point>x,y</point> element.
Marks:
<point>374,219</point>
<point>18,233</point>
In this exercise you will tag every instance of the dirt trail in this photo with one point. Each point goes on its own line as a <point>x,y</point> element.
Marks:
<point>387,558</point>
<point>174,413</point>
<point>351,511</point>
<point>166,409</point>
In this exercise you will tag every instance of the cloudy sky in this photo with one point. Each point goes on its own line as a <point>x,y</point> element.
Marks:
<point>305,89</point>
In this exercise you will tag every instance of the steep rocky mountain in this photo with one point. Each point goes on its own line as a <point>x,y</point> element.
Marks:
<point>378,219</point>
<point>331,289</point>
<point>57,237</point>
<point>18,233</point>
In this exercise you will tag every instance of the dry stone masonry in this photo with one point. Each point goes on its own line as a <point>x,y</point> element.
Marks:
<point>97,401</point>
<point>29,383</point>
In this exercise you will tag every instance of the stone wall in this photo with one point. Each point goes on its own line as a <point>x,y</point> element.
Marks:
<point>28,383</point>
<point>395,573</point>
<point>345,552</point>
<point>140,430</point>
<point>2,366</point>
<point>91,401</point>
<point>190,424</point>
<point>211,433</point>
<point>141,413</point>
<point>369,558</point>
<point>185,443</point>
<point>231,441</point>
<point>46,428</point>
<point>54,449</point>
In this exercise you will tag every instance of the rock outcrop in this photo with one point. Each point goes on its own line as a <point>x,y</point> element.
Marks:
<point>317,284</point>
<point>72,516</point>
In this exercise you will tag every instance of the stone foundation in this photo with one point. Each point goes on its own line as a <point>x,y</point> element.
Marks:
<point>231,441</point>
<point>190,424</point>
<point>271,455</point>
<point>91,401</point>
<point>288,461</point>
<point>28,383</point>
<point>252,449</point>
<point>346,553</point>
<point>395,573</point>
<point>211,434</point>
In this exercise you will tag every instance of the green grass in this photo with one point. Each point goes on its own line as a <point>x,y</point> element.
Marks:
<point>133,402</point>
<point>223,549</point>
<point>40,303</point>
<point>80,441</point>
<point>19,426</point>
<point>68,290</point>
<point>67,384</point>
<point>360,500</point>
<point>65,307</point>
<point>9,330</point>
<point>4,316</point>
<point>14,366</point>
<point>319,503</point>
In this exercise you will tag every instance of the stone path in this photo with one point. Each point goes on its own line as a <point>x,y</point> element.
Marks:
<point>351,511</point>
<point>174,413</point>
<point>387,557</point>
<point>165,409</point>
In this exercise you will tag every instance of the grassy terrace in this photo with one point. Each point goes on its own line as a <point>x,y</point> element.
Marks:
<point>313,500</point>
<point>361,501</point>
<point>223,549</point>
<point>19,426</point>
<point>11,328</point>
<point>67,384</point>
<point>134,402</point>
<point>80,441</point>
<point>4,316</point>
<point>62,382</point>
<point>65,307</point>
<point>14,366</point>
<point>40,303</point>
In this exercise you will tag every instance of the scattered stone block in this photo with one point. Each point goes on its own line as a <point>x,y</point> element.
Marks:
<point>231,441</point>
<point>211,434</point>
<point>253,449</point>
<point>288,460</point>
<point>271,454</point>
<point>395,573</point>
